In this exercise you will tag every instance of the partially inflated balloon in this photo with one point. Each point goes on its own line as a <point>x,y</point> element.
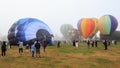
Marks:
<point>27,29</point>
<point>73,34</point>
<point>65,28</point>
<point>107,24</point>
<point>86,27</point>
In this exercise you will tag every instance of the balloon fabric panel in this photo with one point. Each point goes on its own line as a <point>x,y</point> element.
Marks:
<point>79,26</point>
<point>104,25</point>
<point>113,23</point>
<point>83,26</point>
<point>89,27</point>
<point>96,26</point>
<point>108,24</point>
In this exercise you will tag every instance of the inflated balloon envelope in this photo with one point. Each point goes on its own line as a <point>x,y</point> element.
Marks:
<point>27,29</point>
<point>86,27</point>
<point>107,24</point>
<point>65,28</point>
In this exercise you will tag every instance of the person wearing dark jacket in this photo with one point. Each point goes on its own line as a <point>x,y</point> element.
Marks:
<point>3,48</point>
<point>105,44</point>
<point>73,43</point>
<point>92,43</point>
<point>37,46</point>
<point>58,44</point>
<point>96,43</point>
<point>88,43</point>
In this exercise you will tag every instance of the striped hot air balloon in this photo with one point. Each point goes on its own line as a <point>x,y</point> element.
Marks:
<point>86,26</point>
<point>107,24</point>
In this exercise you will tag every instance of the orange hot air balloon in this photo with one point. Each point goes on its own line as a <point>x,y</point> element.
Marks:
<point>86,26</point>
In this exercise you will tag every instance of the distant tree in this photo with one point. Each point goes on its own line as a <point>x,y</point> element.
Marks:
<point>114,36</point>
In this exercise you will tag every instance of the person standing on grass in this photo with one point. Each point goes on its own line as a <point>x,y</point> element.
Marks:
<point>20,47</point>
<point>76,44</point>
<point>44,45</point>
<point>27,48</point>
<point>96,43</point>
<point>92,43</point>
<point>33,49</point>
<point>37,46</point>
<point>88,43</point>
<point>3,48</point>
<point>105,44</point>
<point>58,44</point>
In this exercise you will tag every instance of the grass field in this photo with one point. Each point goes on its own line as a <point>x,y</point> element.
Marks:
<point>65,57</point>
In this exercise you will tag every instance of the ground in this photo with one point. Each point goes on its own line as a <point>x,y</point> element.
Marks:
<point>64,57</point>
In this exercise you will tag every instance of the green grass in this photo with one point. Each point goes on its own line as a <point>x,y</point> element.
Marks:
<point>103,61</point>
<point>65,57</point>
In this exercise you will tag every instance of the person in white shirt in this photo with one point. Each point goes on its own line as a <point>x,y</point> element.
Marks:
<point>20,47</point>
<point>76,44</point>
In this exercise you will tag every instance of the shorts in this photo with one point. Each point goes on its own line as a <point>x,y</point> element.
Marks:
<point>37,51</point>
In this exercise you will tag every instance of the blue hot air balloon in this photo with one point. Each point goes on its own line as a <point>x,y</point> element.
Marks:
<point>28,29</point>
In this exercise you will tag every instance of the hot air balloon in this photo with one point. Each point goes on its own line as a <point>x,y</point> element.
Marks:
<point>107,24</point>
<point>86,26</point>
<point>65,28</point>
<point>28,29</point>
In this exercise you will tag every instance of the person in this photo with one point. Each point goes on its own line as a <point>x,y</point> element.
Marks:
<point>88,43</point>
<point>33,49</point>
<point>108,42</point>
<point>20,47</point>
<point>30,44</point>
<point>105,44</point>
<point>58,44</point>
<point>27,48</point>
<point>115,42</point>
<point>92,43</point>
<point>44,45</point>
<point>76,44</point>
<point>96,43</point>
<point>37,46</point>
<point>3,48</point>
<point>73,43</point>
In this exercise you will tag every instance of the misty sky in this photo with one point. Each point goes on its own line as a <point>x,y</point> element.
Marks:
<point>55,12</point>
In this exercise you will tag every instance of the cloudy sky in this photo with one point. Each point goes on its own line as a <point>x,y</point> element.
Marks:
<point>55,12</point>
